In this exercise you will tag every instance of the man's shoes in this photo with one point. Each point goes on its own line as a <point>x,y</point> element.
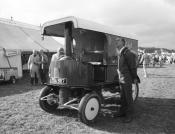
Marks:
<point>42,83</point>
<point>127,119</point>
<point>120,115</point>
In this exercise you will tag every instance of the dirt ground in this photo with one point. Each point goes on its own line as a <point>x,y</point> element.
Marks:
<point>154,113</point>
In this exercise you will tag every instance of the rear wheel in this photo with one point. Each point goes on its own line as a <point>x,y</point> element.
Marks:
<point>135,91</point>
<point>48,99</point>
<point>89,108</point>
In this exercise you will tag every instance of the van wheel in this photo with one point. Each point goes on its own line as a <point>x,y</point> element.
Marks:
<point>13,80</point>
<point>89,108</point>
<point>48,99</point>
<point>135,91</point>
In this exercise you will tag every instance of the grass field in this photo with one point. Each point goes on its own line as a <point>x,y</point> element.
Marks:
<point>20,112</point>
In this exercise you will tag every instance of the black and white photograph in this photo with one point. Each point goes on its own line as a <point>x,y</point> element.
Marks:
<point>87,67</point>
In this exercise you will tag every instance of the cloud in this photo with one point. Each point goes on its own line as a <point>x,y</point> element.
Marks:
<point>171,2</point>
<point>151,22</point>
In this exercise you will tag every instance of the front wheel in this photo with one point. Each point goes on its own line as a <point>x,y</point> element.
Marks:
<point>89,108</point>
<point>135,91</point>
<point>48,99</point>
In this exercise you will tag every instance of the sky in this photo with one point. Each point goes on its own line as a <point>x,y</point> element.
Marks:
<point>151,22</point>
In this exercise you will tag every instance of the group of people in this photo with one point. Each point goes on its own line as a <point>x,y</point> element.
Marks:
<point>38,66</point>
<point>155,58</point>
<point>170,59</point>
<point>147,60</point>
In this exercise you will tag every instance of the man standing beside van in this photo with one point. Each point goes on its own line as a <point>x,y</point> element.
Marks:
<point>127,71</point>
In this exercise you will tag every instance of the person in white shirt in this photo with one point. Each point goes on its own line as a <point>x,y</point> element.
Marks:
<point>145,61</point>
<point>33,65</point>
<point>55,57</point>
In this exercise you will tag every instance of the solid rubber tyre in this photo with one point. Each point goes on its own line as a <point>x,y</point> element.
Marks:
<point>43,103</point>
<point>89,108</point>
<point>135,91</point>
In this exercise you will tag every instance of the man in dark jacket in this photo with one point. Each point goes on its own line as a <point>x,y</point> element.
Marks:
<point>43,67</point>
<point>127,71</point>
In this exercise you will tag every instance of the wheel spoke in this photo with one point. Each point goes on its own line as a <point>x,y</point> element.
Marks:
<point>44,98</point>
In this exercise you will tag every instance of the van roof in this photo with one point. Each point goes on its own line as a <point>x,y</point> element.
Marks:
<point>56,27</point>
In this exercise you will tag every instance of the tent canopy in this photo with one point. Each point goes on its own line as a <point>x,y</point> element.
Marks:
<point>25,37</point>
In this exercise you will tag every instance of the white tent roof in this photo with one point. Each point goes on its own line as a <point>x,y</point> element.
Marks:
<point>25,37</point>
<point>56,27</point>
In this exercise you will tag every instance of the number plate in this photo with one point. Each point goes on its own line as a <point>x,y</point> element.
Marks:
<point>61,81</point>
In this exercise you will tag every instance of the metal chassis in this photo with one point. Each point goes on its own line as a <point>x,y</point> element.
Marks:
<point>96,88</point>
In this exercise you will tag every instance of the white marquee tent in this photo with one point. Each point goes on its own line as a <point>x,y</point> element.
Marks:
<point>17,37</point>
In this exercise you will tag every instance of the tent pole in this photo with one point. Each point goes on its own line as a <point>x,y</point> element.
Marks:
<point>7,58</point>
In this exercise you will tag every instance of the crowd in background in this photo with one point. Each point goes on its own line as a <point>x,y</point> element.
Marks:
<point>152,59</point>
